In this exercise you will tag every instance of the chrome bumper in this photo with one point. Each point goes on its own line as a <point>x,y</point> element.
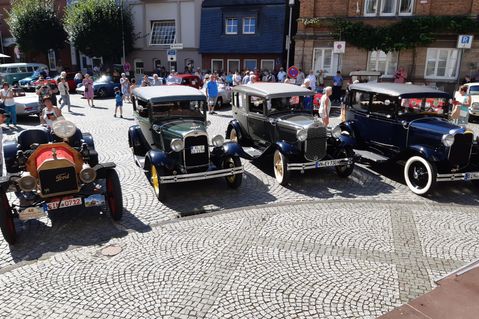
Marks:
<point>320,164</point>
<point>201,176</point>
<point>469,176</point>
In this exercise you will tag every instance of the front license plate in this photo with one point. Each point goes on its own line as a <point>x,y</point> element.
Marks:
<point>471,176</point>
<point>197,149</point>
<point>31,213</point>
<point>66,202</point>
<point>326,163</point>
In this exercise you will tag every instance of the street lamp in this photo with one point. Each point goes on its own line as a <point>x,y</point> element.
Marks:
<point>288,38</point>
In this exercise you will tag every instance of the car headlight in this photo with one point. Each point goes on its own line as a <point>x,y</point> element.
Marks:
<point>63,128</point>
<point>302,135</point>
<point>177,145</point>
<point>87,174</point>
<point>218,141</point>
<point>27,182</point>
<point>336,132</point>
<point>475,105</point>
<point>448,140</point>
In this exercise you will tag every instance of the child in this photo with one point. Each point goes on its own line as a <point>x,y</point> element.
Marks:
<point>119,102</point>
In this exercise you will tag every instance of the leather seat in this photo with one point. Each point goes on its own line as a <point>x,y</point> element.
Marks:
<point>28,137</point>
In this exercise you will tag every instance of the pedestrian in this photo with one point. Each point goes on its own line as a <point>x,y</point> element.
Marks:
<point>78,78</point>
<point>281,75</point>
<point>252,79</point>
<point>3,117</point>
<point>300,78</point>
<point>212,94</point>
<point>8,101</point>
<point>400,75</point>
<point>50,113</point>
<point>156,81</point>
<point>312,80</point>
<point>229,79</point>
<point>42,90</point>
<point>64,90</point>
<point>246,77</point>
<point>325,105</point>
<point>118,102</point>
<point>145,81</point>
<point>460,111</point>
<point>307,100</point>
<point>320,80</point>
<point>236,79</point>
<point>125,87</point>
<point>132,87</point>
<point>88,94</point>
<point>337,86</point>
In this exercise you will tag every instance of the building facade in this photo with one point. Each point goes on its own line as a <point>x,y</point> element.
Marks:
<point>243,34</point>
<point>159,24</point>
<point>439,64</point>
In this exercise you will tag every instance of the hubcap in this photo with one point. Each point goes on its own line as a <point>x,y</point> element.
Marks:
<point>154,179</point>
<point>278,164</point>
<point>233,136</point>
<point>418,175</point>
<point>229,163</point>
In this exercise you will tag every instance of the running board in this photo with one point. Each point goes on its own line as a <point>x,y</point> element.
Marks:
<point>253,152</point>
<point>370,156</point>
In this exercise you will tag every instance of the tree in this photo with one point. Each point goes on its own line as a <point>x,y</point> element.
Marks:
<point>36,26</point>
<point>97,28</point>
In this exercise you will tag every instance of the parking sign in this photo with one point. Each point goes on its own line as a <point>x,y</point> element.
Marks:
<point>464,41</point>
<point>171,55</point>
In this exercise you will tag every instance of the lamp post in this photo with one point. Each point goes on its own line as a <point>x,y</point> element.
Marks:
<point>288,38</point>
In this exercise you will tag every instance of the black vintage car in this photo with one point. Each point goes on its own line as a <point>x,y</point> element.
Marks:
<point>270,119</point>
<point>408,124</point>
<point>171,143</point>
<point>55,171</point>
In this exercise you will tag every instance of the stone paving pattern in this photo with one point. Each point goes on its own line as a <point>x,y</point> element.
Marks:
<point>322,247</point>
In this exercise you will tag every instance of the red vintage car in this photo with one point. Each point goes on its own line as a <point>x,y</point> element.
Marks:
<point>185,79</point>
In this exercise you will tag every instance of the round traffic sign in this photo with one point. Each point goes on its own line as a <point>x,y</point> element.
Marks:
<point>293,72</point>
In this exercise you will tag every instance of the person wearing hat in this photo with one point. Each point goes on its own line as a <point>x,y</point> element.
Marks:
<point>50,113</point>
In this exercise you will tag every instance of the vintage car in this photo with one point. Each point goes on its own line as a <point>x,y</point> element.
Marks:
<point>184,79</point>
<point>24,104</point>
<point>103,87</point>
<point>408,123</point>
<point>171,143</point>
<point>473,91</point>
<point>55,171</point>
<point>269,119</point>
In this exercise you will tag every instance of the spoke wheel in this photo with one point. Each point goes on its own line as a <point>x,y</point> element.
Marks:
<point>114,195</point>
<point>280,167</point>
<point>160,190</point>
<point>7,224</point>
<point>420,175</point>
<point>345,170</point>
<point>233,181</point>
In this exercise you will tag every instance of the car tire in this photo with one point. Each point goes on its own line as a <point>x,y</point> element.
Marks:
<point>280,168</point>
<point>114,198</point>
<point>219,102</point>
<point>7,225</point>
<point>420,175</point>
<point>345,170</point>
<point>233,181</point>
<point>159,189</point>
<point>102,93</point>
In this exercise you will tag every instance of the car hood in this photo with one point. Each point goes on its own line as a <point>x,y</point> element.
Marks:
<point>300,120</point>
<point>435,125</point>
<point>182,127</point>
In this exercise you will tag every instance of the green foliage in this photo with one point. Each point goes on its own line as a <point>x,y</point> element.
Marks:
<point>36,26</point>
<point>95,28</point>
<point>405,34</point>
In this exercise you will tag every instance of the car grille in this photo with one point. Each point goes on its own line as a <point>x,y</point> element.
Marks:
<point>460,151</point>
<point>196,162</point>
<point>58,181</point>
<point>315,145</point>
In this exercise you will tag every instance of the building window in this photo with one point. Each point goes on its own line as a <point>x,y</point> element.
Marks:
<point>441,63</point>
<point>139,66</point>
<point>267,65</point>
<point>233,65</point>
<point>388,7</point>
<point>386,63</point>
<point>406,7</point>
<point>231,26</point>
<point>325,60</point>
<point>249,25</point>
<point>250,64</point>
<point>163,32</point>
<point>217,65</point>
<point>371,7</point>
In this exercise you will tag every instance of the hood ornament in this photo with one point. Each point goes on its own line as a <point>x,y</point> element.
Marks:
<point>54,153</point>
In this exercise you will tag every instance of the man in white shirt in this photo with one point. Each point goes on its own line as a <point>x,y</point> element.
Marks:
<point>312,80</point>
<point>281,75</point>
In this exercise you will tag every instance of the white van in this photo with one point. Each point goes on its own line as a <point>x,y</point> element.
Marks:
<point>13,72</point>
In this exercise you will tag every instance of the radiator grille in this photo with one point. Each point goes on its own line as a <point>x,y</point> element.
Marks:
<point>315,145</point>
<point>193,161</point>
<point>460,151</point>
<point>58,181</point>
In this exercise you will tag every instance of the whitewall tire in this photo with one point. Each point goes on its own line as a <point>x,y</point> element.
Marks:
<point>420,175</point>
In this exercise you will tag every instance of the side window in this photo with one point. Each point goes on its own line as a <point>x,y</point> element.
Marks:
<point>256,104</point>
<point>360,101</point>
<point>30,68</point>
<point>383,105</point>
<point>23,69</point>
<point>241,102</point>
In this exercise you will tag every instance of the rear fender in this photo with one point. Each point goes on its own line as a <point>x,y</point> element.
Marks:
<point>10,150</point>
<point>88,139</point>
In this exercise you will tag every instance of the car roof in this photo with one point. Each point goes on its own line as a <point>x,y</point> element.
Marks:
<point>398,89</point>
<point>166,93</point>
<point>273,90</point>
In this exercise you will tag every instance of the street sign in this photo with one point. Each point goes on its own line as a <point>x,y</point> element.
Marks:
<point>171,55</point>
<point>464,41</point>
<point>293,72</point>
<point>176,46</point>
<point>339,47</point>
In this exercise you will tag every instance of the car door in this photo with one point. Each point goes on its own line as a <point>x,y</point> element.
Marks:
<point>240,111</point>
<point>257,119</point>
<point>382,123</point>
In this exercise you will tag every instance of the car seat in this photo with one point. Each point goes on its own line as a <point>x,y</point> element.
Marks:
<point>32,136</point>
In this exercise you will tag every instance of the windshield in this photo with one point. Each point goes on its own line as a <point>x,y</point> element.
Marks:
<point>178,109</point>
<point>431,106</point>
<point>287,104</point>
<point>474,90</point>
<point>3,70</point>
<point>173,80</point>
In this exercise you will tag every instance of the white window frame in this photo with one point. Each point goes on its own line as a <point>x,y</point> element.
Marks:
<point>266,60</point>
<point>153,23</point>
<point>244,24</point>
<point>435,76</point>
<point>334,61</point>
<point>380,6</point>
<point>135,61</point>
<point>255,62</point>
<point>217,60</point>
<point>226,26</point>
<point>388,14</point>
<point>233,60</point>
<point>389,56</point>
<point>366,14</point>
<point>405,13</point>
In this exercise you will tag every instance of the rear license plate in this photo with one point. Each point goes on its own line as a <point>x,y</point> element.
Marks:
<point>471,176</point>
<point>197,149</point>
<point>95,200</point>
<point>65,202</point>
<point>32,213</point>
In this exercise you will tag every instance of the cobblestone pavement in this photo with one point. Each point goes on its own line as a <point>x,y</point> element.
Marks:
<point>323,246</point>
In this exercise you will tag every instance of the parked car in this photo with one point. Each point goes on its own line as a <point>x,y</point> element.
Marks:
<point>473,91</point>
<point>102,87</point>
<point>70,80</point>
<point>171,143</point>
<point>224,94</point>
<point>14,72</point>
<point>269,119</point>
<point>54,171</point>
<point>25,104</point>
<point>150,80</point>
<point>184,79</point>
<point>408,123</point>
<point>27,83</point>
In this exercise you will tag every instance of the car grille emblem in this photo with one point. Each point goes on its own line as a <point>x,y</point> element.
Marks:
<point>62,177</point>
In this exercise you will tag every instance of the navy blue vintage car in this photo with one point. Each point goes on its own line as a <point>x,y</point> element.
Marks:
<point>103,87</point>
<point>408,124</point>
<point>271,119</point>
<point>171,143</point>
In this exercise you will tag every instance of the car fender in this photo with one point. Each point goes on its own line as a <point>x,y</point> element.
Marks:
<point>156,157</point>
<point>88,139</point>
<point>236,125</point>
<point>349,127</point>
<point>234,149</point>
<point>425,151</point>
<point>287,148</point>
<point>136,138</point>
<point>10,150</point>
<point>346,140</point>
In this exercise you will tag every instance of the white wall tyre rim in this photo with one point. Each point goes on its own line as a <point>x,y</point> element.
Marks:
<point>278,166</point>
<point>233,136</point>
<point>414,188</point>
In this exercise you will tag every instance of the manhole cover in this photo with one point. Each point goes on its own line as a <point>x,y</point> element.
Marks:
<point>111,250</point>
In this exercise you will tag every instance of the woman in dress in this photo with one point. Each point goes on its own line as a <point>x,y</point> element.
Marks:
<point>88,84</point>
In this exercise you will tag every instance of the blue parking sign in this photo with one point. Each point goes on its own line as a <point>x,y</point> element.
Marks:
<point>464,41</point>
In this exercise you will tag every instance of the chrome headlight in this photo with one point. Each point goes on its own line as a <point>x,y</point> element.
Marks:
<point>177,145</point>
<point>475,105</point>
<point>448,140</point>
<point>87,174</point>
<point>302,135</point>
<point>63,128</point>
<point>336,132</point>
<point>218,141</point>
<point>27,182</point>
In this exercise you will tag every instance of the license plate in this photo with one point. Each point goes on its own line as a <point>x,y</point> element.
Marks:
<point>197,149</point>
<point>95,200</point>
<point>327,163</point>
<point>31,213</point>
<point>470,176</point>
<point>66,202</point>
